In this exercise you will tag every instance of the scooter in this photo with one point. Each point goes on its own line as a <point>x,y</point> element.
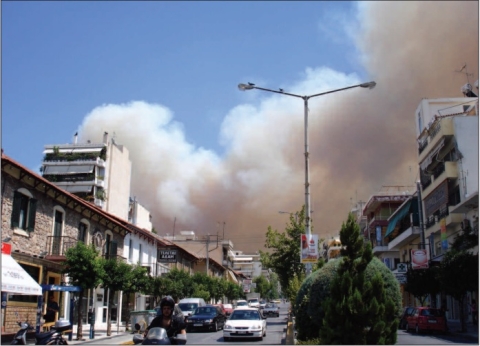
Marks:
<point>157,336</point>
<point>20,337</point>
<point>54,336</point>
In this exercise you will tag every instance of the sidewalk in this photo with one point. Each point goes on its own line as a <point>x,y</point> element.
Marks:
<point>454,328</point>
<point>100,335</point>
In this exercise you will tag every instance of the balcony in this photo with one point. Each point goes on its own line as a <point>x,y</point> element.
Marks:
<point>438,130</point>
<point>57,247</point>
<point>448,171</point>
<point>404,238</point>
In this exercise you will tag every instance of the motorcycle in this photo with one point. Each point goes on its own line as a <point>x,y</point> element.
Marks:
<point>158,336</point>
<point>20,337</point>
<point>52,337</point>
<point>55,335</point>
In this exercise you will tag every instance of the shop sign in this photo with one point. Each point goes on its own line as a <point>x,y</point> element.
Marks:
<point>167,256</point>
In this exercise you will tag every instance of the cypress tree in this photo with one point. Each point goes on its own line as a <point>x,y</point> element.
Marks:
<point>358,311</point>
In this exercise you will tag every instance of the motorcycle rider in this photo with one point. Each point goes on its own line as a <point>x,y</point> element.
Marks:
<point>166,319</point>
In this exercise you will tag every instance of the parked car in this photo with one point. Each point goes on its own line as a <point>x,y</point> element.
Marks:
<point>403,317</point>
<point>228,309</point>
<point>245,323</point>
<point>206,317</point>
<point>271,309</point>
<point>425,318</point>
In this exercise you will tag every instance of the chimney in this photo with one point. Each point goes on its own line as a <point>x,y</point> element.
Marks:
<point>75,138</point>
<point>105,138</point>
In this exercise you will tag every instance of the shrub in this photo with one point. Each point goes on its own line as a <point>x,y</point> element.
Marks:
<point>309,313</point>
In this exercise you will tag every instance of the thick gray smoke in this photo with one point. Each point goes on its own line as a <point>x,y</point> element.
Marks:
<point>359,139</point>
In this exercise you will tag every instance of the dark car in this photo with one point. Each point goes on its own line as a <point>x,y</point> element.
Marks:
<point>425,318</point>
<point>208,317</point>
<point>403,317</point>
<point>271,309</point>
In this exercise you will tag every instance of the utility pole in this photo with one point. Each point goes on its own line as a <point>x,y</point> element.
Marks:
<point>208,240</point>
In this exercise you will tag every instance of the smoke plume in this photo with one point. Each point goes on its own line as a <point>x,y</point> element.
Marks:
<point>359,139</point>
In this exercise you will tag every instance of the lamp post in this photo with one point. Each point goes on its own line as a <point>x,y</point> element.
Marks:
<point>250,86</point>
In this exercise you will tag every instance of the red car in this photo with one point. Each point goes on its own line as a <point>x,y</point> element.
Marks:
<point>425,318</point>
<point>228,309</point>
<point>221,308</point>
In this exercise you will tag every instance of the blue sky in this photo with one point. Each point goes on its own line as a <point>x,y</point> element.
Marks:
<point>66,58</point>
<point>162,77</point>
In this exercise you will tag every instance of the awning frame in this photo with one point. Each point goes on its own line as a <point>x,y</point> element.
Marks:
<point>398,216</point>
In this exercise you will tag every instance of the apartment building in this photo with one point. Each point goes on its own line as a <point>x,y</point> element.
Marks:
<point>97,172</point>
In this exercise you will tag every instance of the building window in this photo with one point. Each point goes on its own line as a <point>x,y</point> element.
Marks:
<point>110,249</point>
<point>140,253</point>
<point>82,231</point>
<point>23,211</point>
<point>57,231</point>
<point>130,250</point>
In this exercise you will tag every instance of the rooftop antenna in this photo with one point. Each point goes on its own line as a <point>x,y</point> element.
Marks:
<point>464,67</point>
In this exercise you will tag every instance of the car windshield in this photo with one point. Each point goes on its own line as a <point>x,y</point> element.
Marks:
<point>187,306</point>
<point>205,311</point>
<point>228,306</point>
<point>242,303</point>
<point>245,315</point>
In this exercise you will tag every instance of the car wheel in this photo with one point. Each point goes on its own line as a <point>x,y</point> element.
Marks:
<point>417,330</point>
<point>215,327</point>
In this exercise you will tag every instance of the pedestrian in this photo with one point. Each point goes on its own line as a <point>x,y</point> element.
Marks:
<point>473,311</point>
<point>52,309</point>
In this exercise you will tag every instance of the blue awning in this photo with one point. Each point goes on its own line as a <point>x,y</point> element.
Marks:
<point>398,216</point>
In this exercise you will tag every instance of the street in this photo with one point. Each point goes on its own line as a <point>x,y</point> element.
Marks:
<point>410,338</point>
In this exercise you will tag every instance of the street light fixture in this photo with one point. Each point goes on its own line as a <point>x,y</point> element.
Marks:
<point>250,86</point>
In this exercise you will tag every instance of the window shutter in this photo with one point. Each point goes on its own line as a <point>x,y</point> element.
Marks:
<point>32,212</point>
<point>113,249</point>
<point>17,200</point>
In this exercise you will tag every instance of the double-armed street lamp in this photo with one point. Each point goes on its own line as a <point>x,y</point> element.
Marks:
<point>250,86</point>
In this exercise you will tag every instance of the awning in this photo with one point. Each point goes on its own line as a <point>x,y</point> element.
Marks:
<point>428,160</point>
<point>70,169</point>
<point>77,188</point>
<point>232,276</point>
<point>16,280</point>
<point>248,259</point>
<point>397,217</point>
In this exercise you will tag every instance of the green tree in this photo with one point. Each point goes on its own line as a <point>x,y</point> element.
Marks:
<point>283,257</point>
<point>233,291</point>
<point>182,284</point>
<point>117,276</point>
<point>161,286</point>
<point>273,293</point>
<point>84,268</point>
<point>218,286</point>
<point>263,286</point>
<point>358,311</point>
<point>459,274</point>
<point>422,282</point>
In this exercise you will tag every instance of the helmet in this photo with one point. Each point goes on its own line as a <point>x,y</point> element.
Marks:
<point>167,301</point>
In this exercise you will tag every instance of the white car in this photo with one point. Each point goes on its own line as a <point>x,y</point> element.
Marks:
<point>245,323</point>
<point>242,303</point>
<point>253,303</point>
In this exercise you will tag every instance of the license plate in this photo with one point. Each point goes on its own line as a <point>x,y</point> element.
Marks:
<point>198,325</point>
<point>242,332</point>
<point>432,321</point>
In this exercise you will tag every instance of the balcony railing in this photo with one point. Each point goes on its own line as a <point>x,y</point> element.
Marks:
<point>434,130</point>
<point>58,245</point>
<point>439,170</point>
<point>422,145</point>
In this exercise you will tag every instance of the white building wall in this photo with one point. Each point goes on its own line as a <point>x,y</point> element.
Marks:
<point>141,217</point>
<point>118,177</point>
<point>466,135</point>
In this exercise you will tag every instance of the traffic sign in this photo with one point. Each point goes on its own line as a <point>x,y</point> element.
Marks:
<point>401,278</point>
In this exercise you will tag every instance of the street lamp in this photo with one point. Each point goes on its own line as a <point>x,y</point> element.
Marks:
<point>287,212</point>
<point>250,86</point>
